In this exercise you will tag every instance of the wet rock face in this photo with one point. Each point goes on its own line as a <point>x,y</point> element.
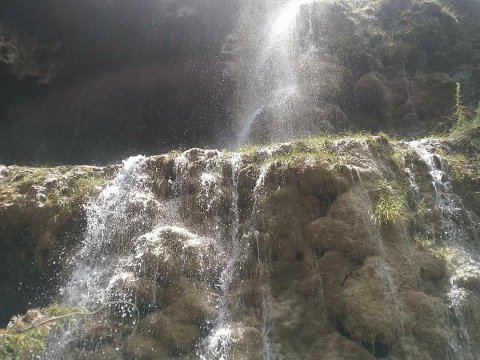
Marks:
<point>392,65</point>
<point>41,217</point>
<point>278,252</point>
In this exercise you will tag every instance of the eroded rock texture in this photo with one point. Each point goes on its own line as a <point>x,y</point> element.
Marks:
<point>317,249</point>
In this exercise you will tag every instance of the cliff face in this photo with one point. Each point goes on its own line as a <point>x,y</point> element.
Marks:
<point>122,78</point>
<point>41,215</point>
<point>350,248</point>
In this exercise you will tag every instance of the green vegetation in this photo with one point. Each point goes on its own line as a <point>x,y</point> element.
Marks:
<point>303,151</point>
<point>249,150</point>
<point>458,165</point>
<point>397,158</point>
<point>24,180</point>
<point>58,187</point>
<point>442,251</point>
<point>22,340</point>
<point>463,120</point>
<point>313,148</point>
<point>26,336</point>
<point>460,111</point>
<point>391,206</point>
<point>444,6</point>
<point>78,187</point>
<point>422,208</point>
<point>464,126</point>
<point>172,154</point>
<point>423,243</point>
<point>462,165</point>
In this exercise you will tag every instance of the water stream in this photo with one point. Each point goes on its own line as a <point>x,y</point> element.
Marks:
<point>100,262</point>
<point>127,223</point>
<point>457,229</point>
<point>271,82</point>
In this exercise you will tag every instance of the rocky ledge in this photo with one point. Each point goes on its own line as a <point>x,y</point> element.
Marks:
<point>360,247</point>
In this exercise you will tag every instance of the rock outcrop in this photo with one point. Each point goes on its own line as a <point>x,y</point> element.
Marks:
<point>41,216</point>
<point>317,249</point>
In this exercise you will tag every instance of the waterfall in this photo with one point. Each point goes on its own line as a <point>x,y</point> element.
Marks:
<point>102,259</point>
<point>218,344</point>
<point>457,227</point>
<point>267,325</point>
<point>271,84</point>
<point>194,231</point>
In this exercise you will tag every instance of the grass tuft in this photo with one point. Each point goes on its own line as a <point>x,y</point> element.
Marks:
<point>391,206</point>
<point>32,344</point>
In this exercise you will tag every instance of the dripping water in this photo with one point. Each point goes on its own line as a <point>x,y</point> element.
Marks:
<point>456,223</point>
<point>271,80</point>
<point>387,274</point>
<point>221,338</point>
<point>263,260</point>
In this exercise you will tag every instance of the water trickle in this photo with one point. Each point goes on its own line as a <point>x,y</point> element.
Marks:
<point>219,342</point>
<point>263,258</point>
<point>386,273</point>
<point>133,237</point>
<point>456,223</point>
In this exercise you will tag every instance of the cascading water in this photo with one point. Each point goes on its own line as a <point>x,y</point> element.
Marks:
<point>127,226</point>
<point>457,230</point>
<point>253,234</point>
<point>108,234</point>
<point>104,258</point>
<point>271,83</point>
<point>218,343</point>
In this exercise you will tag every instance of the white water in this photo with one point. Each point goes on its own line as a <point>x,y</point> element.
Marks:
<point>218,344</point>
<point>126,224</point>
<point>268,351</point>
<point>98,264</point>
<point>271,81</point>
<point>463,258</point>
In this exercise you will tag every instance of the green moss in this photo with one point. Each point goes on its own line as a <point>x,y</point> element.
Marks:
<point>443,252</point>
<point>25,179</point>
<point>172,154</point>
<point>461,165</point>
<point>317,148</point>
<point>422,208</point>
<point>301,154</point>
<point>61,186</point>
<point>17,345</point>
<point>397,158</point>
<point>249,150</point>
<point>77,187</point>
